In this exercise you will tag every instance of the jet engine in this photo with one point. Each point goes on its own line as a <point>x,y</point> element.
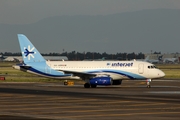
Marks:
<point>101,81</point>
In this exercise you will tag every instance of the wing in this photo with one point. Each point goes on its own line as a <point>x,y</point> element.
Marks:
<point>86,75</point>
<point>80,74</point>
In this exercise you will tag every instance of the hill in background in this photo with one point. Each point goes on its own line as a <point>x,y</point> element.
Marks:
<point>141,31</point>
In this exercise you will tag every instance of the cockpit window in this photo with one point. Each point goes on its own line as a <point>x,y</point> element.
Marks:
<point>155,67</point>
<point>152,67</point>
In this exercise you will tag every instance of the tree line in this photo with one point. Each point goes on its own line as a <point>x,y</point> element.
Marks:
<point>89,55</point>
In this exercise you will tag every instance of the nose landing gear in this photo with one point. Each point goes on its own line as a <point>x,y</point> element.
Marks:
<point>148,83</point>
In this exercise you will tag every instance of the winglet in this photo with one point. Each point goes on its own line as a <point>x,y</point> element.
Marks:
<point>29,52</point>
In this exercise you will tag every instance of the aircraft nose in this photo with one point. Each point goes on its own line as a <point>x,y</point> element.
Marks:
<point>13,66</point>
<point>162,74</point>
<point>16,67</point>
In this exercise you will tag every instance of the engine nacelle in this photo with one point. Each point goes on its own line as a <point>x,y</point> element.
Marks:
<point>101,81</point>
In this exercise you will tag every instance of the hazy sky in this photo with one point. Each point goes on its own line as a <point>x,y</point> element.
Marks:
<point>30,11</point>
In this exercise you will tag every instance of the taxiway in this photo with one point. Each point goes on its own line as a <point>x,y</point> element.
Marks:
<point>54,101</point>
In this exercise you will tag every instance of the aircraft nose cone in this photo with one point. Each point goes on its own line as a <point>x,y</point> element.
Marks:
<point>13,66</point>
<point>16,67</point>
<point>162,74</point>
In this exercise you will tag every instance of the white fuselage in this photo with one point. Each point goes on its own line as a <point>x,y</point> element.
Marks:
<point>116,69</point>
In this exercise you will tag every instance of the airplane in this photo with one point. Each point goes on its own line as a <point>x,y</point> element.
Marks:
<point>92,72</point>
<point>153,61</point>
<point>170,60</point>
<point>10,58</point>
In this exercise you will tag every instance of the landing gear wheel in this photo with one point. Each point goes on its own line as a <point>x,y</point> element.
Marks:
<point>148,83</point>
<point>93,86</point>
<point>86,85</point>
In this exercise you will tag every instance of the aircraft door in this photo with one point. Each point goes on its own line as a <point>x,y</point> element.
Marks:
<point>141,68</point>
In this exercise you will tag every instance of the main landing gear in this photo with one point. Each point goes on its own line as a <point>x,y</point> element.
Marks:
<point>87,85</point>
<point>148,83</point>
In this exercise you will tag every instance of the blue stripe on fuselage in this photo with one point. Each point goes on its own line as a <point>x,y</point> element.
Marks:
<point>128,74</point>
<point>46,74</point>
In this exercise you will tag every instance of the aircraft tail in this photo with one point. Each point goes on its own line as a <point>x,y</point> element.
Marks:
<point>147,58</point>
<point>29,52</point>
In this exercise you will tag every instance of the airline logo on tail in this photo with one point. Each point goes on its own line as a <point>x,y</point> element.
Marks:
<point>29,52</point>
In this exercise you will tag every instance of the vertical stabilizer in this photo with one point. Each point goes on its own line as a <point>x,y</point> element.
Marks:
<point>147,58</point>
<point>29,52</point>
